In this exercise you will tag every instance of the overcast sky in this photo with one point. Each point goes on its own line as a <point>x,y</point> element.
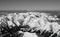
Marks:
<point>29,4</point>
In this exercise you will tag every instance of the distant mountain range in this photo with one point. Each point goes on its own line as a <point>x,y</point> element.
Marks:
<point>55,12</point>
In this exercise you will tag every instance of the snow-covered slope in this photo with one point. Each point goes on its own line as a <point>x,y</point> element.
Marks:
<point>35,21</point>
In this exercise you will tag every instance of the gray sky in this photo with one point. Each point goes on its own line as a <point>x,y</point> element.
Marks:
<point>29,4</point>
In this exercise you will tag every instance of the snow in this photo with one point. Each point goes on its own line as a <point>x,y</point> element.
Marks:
<point>27,34</point>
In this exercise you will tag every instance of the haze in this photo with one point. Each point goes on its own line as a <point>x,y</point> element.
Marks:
<point>29,4</point>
